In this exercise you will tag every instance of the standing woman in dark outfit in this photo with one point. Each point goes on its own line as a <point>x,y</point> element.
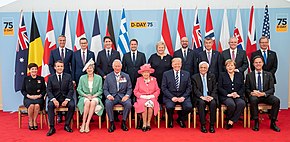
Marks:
<point>160,62</point>
<point>33,90</point>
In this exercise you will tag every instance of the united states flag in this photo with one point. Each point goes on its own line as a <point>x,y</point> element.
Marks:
<point>266,25</point>
<point>21,60</point>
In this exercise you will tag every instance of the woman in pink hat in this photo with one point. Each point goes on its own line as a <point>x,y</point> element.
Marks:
<point>147,92</point>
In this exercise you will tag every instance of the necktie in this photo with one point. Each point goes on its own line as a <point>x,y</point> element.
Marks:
<point>233,55</point>
<point>62,54</point>
<point>265,57</point>
<point>177,80</point>
<point>134,58</point>
<point>117,78</point>
<point>204,86</point>
<point>259,82</point>
<point>208,57</point>
<point>184,55</point>
<point>84,58</point>
<point>108,54</point>
<point>59,80</point>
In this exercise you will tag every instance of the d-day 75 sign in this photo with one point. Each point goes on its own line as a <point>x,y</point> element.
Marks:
<point>282,22</point>
<point>8,26</point>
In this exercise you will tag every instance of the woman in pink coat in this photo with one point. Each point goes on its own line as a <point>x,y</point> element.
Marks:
<point>146,92</point>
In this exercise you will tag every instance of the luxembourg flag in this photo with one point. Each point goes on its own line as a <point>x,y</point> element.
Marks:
<point>123,40</point>
<point>251,40</point>
<point>66,31</point>
<point>96,42</point>
<point>209,32</point>
<point>225,33</point>
<point>165,35</point>
<point>180,30</point>
<point>238,31</point>
<point>80,32</point>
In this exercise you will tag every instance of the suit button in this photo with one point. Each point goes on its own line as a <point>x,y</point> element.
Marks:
<point>232,88</point>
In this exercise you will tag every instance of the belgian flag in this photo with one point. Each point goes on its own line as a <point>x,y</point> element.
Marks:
<point>35,46</point>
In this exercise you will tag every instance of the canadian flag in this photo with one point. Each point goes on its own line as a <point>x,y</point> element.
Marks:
<point>180,30</point>
<point>80,32</point>
<point>49,45</point>
<point>165,35</point>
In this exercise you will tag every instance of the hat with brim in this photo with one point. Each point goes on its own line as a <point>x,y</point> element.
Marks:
<point>90,62</point>
<point>146,67</point>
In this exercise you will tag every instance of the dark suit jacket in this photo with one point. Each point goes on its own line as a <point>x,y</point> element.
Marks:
<point>132,69</point>
<point>272,62</point>
<point>241,59</point>
<point>103,65</point>
<point>190,64</point>
<point>77,64</point>
<point>110,85</point>
<point>215,66</point>
<point>268,83</point>
<point>55,56</point>
<point>227,86</point>
<point>198,86</point>
<point>169,89</point>
<point>54,90</point>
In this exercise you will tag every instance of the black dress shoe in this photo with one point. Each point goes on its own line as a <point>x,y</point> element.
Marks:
<point>170,124</point>
<point>148,128</point>
<point>123,126</point>
<point>181,123</point>
<point>275,127</point>
<point>256,126</point>
<point>112,128</point>
<point>203,129</point>
<point>67,128</point>
<point>35,127</point>
<point>51,131</point>
<point>211,129</point>
<point>30,127</point>
<point>228,126</point>
<point>144,129</point>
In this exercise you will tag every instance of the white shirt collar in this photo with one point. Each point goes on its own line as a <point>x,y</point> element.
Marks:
<point>182,49</point>
<point>235,50</point>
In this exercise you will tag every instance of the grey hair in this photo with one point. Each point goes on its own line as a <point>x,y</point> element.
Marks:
<point>203,62</point>
<point>177,59</point>
<point>116,60</point>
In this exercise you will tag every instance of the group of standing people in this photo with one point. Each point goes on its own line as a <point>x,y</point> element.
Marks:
<point>189,78</point>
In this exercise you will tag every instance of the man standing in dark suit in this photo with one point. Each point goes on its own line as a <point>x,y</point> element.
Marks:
<point>176,86</point>
<point>260,89</point>
<point>64,54</point>
<point>212,57</point>
<point>106,57</point>
<point>237,55</point>
<point>205,93</point>
<point>188,56</point>
<point>117,90</point>
<point>269,57</point>
<point>60,94</point>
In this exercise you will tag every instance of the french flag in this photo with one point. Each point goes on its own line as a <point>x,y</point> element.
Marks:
<point>96,42</point>
<point>66,31</point>
<point>180,30</point>
<point>80,32</point>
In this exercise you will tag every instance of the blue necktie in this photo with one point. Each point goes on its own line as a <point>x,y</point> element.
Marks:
<point>265,57</point>
<point>259,82</point>
<point>204,86</point>
<point>177,81</point>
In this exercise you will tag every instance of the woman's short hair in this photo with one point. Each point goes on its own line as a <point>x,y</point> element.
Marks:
<point>160,43</point>
<point>31,65</point>
<point>228,61</point>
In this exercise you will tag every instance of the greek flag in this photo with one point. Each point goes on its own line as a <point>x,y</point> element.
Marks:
<point>123,40</point>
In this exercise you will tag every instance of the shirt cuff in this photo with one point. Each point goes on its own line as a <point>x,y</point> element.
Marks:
<point>127,95</point>
<point>52,99</point>
<point>109,96</point>
<point>67,99</point>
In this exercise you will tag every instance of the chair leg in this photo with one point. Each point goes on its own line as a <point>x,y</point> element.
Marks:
<point>222,116</point>
<point>245,117</point>
<point>166,118</point>
<point>135,119</point>
<point>158,119</point>
<point>249,117</point>
<point>189,115</point>
<point>217,118</point>
<point>194,117</point>
<point>100,122</point>
<point>107,120</point>
<point>78,119</point>
<point>19,119</point>
<point>41,120</point>
<point>130,122</point>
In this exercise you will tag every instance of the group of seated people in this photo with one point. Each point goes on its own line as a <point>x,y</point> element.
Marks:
<point>175,85</point>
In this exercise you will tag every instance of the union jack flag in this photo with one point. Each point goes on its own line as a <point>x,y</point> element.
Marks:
<point>196,35</point>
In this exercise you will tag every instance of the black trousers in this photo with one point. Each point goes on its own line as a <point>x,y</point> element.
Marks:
<point>186,108</point>
<point>201,105</point>
<point>234,108</point>
<point>71,109</point>
<point>270,100</point>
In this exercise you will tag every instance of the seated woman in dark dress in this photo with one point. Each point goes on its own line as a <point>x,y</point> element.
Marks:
<point>33,90</point>
<point>231,92</point>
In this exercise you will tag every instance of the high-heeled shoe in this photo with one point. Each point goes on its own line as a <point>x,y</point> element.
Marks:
<point>82,129</point>
<point>87,129</point>
<point>148,128</point>
<point>144,129</point>
<point>35,127</point>
<point>30,127</point>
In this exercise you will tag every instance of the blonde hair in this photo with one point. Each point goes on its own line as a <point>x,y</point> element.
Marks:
<point>228,61</point>
<point>160,43</point>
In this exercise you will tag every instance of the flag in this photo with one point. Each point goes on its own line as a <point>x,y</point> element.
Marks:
<point>165,35</point>
<point>251,39</point>
<point>110,30</point>
<point>66,31</point>
<point>180,30</point>
<point>225,33</point>
<point>123,40</point>
<point>209,32</point>
<point>266,25</point>
<point>196,35</point>
<point>49,45</point>
<point>238,31</point>
<point>21,59</point>
<point>35,46</point>
<point>96,42</point>
<point>80,31</point>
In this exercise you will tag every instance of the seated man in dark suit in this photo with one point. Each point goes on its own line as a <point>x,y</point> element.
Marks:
<point>205,93</point>
<point>176,86</point>
<point>260,89</point>
<point>117,90</point>
<point>60,94</point>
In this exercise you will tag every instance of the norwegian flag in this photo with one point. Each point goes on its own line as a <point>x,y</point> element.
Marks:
<point>80,31</point>
<point>251,39</point>
<point>196,35</point>
<point>266,25</point>
<point>209,32</point>
<point>180,30</point>
<point>21,59</point>
<point>238,31</point>
<point>49,45</point>
<point>165,35</point>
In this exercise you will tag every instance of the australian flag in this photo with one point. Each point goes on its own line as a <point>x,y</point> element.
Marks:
<point>21,55</point>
